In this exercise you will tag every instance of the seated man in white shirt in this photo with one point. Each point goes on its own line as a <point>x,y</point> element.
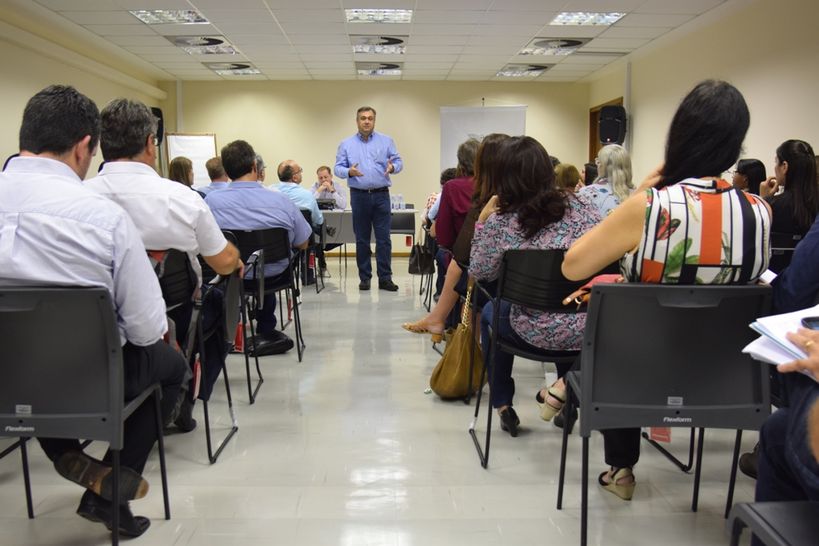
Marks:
<point>168,215</point>
<point>57,232</point>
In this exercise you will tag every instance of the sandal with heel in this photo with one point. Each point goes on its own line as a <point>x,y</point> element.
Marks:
<point>420,328</point>
<point>558,399</point>
<point>623,490</point>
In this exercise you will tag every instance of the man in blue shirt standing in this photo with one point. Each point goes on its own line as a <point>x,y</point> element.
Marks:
<point>366,160</point>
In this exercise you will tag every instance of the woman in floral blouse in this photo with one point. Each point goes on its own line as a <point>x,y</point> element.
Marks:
<point>529,211</point>
<point>687,227</point>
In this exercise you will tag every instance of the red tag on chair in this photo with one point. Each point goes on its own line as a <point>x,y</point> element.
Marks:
<point>660,434</point>
<point>239,339</point>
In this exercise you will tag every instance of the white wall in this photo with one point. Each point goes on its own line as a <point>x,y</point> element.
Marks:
<point>768,50</point>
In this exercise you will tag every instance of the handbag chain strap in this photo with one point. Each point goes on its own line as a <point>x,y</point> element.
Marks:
<point>466,308</point>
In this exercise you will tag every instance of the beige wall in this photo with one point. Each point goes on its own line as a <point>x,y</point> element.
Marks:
<point>768,50</point>
<point>305,121</point>
<point>26,72</point>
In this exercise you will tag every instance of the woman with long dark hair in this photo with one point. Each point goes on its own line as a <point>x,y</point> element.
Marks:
<point>795,209</point>
<point>528,211</point>
<point>691,227</point>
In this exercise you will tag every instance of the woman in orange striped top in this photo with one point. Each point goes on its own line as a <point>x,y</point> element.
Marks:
<point>687,226</point>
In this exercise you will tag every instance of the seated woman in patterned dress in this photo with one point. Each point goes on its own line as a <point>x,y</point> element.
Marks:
<point>528,211</point>
<point>691,227</point>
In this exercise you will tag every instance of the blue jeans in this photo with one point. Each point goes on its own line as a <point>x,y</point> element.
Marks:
<point>371,213</point>
<point>502,386</point>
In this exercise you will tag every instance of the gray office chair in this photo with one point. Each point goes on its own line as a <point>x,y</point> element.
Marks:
<point>793,523</point>
<point>667,355</point>
<point>71,385</point>
<point>403,223</point>
<point>531,278</point>
<point>782,247</point>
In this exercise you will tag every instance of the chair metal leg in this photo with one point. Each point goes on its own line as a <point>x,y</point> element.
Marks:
<point>483,458</point>
<point>300,345</point>
<point>564,447</point>
<point>163,471</point>
<point>213,456</point>
<point>670,456</point>
<point>115,495</point>
<point>26,477</point>
<point>698,472</point>
<point>732,481</point>
<point>584,494</point>
<point>251,392</point>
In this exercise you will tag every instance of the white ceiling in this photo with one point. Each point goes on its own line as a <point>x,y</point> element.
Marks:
<point>448,39</point>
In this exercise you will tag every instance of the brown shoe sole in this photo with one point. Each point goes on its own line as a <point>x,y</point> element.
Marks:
<point>96,476</point>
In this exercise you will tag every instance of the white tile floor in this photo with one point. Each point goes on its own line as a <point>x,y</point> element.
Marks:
<point>347,449</point>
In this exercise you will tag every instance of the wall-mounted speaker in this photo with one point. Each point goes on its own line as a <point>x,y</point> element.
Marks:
<point>612,128</point>
<point>160,128</point>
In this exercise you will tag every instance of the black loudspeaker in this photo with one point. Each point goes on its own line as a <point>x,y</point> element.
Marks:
<point>160,128</point>
<point>612,127</point>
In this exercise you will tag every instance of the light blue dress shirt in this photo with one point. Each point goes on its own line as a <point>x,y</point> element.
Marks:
<point>302,198</point>
<point>371,156</point>
<point>433,210</point>
<point>212,186</point>
<point>251,206</point>
<point>54,231</point>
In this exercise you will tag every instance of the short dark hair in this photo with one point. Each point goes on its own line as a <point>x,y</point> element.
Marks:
<point>238,158</point>
<point>325,168</point>
<point>285,171</point>
<point>754,171</point>
<point>365,109</point>
<point>800,180</point>
<point>591,172</point>
<point>706,133</point>
<point>56,118</point>
<point>448,174</point>
<point>525,184</point>
<point>126,126</point>
<point>214,167</point>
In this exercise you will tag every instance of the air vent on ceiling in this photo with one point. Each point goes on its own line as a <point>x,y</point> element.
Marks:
<point>233,69</point>
<point>203,45</point>
<point>523,70</point>
<point>379,69</point>
<point>379,45</point>
<point>553,46</point>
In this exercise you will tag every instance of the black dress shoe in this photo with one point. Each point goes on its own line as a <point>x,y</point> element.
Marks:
<point>96,476</point>
<point>185,422</point>
<point>509,421</point>
<point>274,343</point>
<point>387,285</point>
<point>95,508</point>
<point>748,462</point>
<point>364,285</point>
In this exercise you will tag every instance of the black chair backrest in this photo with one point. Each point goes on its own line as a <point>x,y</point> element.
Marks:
<point>177,278</point>
<point>532,278</point>
<point>208,274</point>
<point>309,218</point>
<point>670,355</point>
<point>60,349</point>
<point>232,286</point>
<point>273,242</point>
<point>402,222</point>
<point>782,246</point>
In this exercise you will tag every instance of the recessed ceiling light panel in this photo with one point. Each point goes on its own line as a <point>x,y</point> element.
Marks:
<point>586,18</point>
<point>233,69</point>
<point>379,45</point>
<point>379,69</point>
<point>378,15</point>
<point>553,46</point>
<point>522,70</point>
<point>169,16</point>
<point>203,45</point>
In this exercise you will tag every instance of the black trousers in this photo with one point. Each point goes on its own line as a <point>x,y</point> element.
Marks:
<point>142,367</point>
<point>621,446</point>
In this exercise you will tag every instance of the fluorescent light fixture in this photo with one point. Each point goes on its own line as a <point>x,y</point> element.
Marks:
<point>379,69</point>
<point>379,45</point>
<point>586,18</point>
<point>168,16</point>
<point>203,45</point>
<point>233,69</point>
<point>553,46</point>
<point>522,70</point>
<point>379,15</point>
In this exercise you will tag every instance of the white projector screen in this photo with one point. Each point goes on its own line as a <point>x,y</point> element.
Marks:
<point>196,147</point>
<point>460,123</point>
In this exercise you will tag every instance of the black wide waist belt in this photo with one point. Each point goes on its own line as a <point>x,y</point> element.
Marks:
<point>372,190</point>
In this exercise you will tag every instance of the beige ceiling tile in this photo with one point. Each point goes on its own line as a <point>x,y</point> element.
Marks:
<point>616,43</point>
<point>438,40</point>
<point>316,29</point>
<point>619,31</point>
<point>651,20</point>
<point>690,7</point>
<point>153,40</point>
<point>237,16</point>
<point>151,4</point>
<point>518,17</point>
<point>480,5</point>
<point>100,17</point>
<point>137,29</point>
<point>85,5</point>
<point>622,6</point>
<point>562,31</point>
<point>447,17</point>
<point>259,27</point>
<point>320,39</point>
<point>309,15</point>
<point>259,40</point>
<point>197,29</point>
<point>233,4</point>
<point>430,29</point>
